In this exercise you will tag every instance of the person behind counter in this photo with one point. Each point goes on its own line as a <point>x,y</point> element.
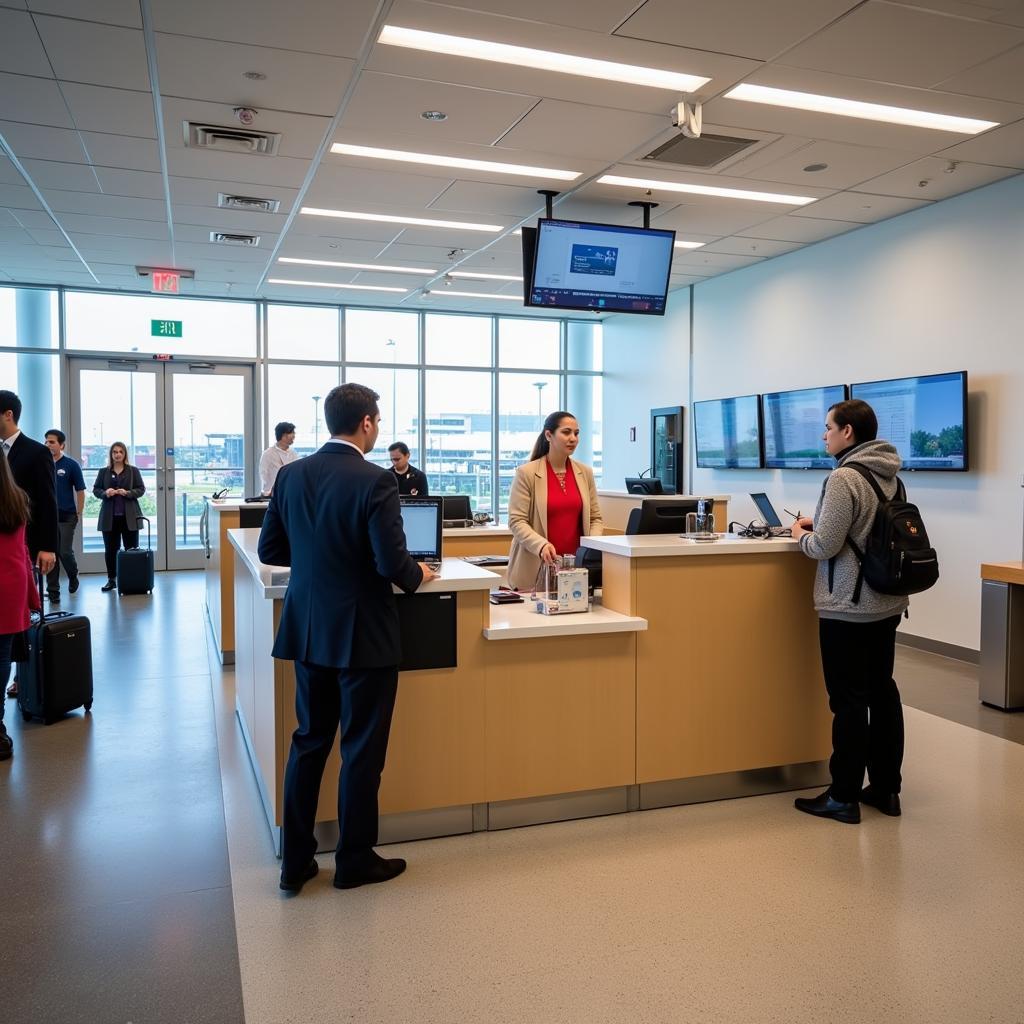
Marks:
<point>277,456</point>
<point>411,481</point>
<point>553,502</point>
<point>119,486</point>
<point>857,638</point>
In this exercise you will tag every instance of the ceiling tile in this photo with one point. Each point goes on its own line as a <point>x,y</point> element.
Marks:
<point>111,12</point>
<point>122,151</point>
<point>575,129</point>
<point>91,225</point>
<point>704,258</point>
<point>82,51</point>
<point>474,115</point>
<point>1005,12</point>
<point>1001,78</point>
<point>33,100</point>
<point>846,165</point>
<point>8,175</point>
<point>309,247</point>
<point>21,52</point>
<point>941,179</point>
<point>480,198</point>
<point>597,15</point>
<point>888,43</point>
<point>31,141</point>
<point>747,28</point>
<point>240,221</point>
<point>725,217</point>
<point>50,174</point>
<point>207,69</point>
<point>340,186</point>
<point>258,170</point>
<point>99,205</point>
<point>859,206</point>
<point>1001,146</point>
<point>143,184</point>
<point>115,111</point>
<point>800,229</point>
<point>18,197</point>
<point>740,245</point>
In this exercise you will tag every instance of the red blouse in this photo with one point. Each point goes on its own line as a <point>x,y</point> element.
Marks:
<point>16,582</point>
<point>565,511</point>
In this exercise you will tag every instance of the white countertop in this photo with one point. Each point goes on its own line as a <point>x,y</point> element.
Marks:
<point>520,621</point>
<point>455,573</point>
<point>484,531</point>
<point>658,545</point>
<point>233,504</point>
<point>664,497</point>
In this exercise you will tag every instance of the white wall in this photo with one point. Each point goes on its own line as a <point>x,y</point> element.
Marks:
<point>646,365</point>
<point>935,290</point>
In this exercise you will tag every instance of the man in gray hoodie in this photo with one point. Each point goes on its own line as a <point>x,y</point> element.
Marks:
<point>857,638</point>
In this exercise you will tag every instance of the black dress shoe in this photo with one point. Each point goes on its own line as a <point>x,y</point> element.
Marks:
<point>377,870</point>
<point>887,803</point>
<point>109,585</point>
<point>6,745</point>
<point>824,806</point>
<point>53,598</point>
<point>73,585</point>
<point>295,885</point>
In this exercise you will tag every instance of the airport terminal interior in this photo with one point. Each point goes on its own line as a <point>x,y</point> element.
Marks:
<point>693,225</point>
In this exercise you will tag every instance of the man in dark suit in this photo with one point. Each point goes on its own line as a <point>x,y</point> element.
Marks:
<point>335,519</point>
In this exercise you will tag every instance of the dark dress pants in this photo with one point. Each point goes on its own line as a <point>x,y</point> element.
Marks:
<point>362,701</point>
<point>112,543</point>
<point>65,557</point>
<point>6,642</point>
<point>867,724</point>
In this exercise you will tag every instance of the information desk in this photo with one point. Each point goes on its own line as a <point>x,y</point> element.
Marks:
<point>616,506</point>
<point>1001,668</point>
<point>488,539</point>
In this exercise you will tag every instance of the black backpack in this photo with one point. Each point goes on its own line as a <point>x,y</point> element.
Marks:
<point>898,557</point>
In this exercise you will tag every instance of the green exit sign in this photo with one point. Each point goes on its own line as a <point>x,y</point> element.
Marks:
<point>165,328</point>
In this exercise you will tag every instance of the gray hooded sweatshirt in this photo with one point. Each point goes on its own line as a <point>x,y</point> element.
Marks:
<point>847,508</point>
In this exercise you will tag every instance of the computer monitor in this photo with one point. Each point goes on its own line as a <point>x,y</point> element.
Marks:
<point>644,485</point>
<point>659,516</point>
<point>421,519</point>
<point>456,506</point>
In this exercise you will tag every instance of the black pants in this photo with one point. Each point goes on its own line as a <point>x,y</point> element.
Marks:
<point>362,700</point>
<point>867,724</point>
<point>65,557</point>
<point>112,543</point>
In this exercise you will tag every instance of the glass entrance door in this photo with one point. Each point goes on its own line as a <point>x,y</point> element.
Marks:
<point>188,428</point>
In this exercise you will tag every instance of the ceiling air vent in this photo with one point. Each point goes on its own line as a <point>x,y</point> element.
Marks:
<point>225,139</point>
<point>707,151</point>
<point>225,238</point>
<point>250,203</point>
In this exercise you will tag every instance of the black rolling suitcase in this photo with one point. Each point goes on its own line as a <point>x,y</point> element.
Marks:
<point>135,567</point>
<point>56,676</point>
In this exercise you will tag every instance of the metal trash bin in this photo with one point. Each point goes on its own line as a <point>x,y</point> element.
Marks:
<point>1001,669</point>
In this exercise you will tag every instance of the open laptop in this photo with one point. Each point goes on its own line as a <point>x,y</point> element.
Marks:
<point>770,516</point>
<point>421,518</point>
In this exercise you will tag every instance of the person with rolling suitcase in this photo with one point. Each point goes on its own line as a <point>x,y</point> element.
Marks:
<point>119,486</point>
<point>135,566</point>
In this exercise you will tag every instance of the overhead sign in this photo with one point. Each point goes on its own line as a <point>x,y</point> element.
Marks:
<point>165,328</point>
<point>166,281</point>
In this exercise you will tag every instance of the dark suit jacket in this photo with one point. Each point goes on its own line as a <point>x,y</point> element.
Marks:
<point>32,468</point>
<point>335,519</point>
<point>132,512</point>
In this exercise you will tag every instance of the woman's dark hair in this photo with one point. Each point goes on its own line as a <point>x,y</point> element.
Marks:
<point>110,454</point>
<point>542,445</point>
<point>14,507</point>
<point>856,414</point>
<point>347,405</point>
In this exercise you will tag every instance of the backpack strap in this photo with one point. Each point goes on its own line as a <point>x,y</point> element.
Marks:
<point>863,470</point>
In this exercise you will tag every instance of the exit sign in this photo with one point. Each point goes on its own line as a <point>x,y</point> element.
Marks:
<point>165,328</point>
<point>166,281</point>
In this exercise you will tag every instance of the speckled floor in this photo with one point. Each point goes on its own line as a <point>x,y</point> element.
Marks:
<point>739,911</point>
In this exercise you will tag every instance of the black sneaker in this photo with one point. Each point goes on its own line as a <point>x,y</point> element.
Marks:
<point>73,584</point>
<point>53,598</point>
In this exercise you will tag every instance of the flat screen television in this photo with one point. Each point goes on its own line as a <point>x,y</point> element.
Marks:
<point>924,417</point>
<point>727,433</point>
<point>529,243</point>
<point>601,267</point>
<point>794,423</point>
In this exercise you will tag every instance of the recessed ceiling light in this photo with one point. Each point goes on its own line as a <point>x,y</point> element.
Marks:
<point>436,160</point>
<point>484,277</point>
<point>434,115</point>
<point>859,109</point>
<point>704,190</point>
<point>386,218</point>
<point>814,168</point>
<point>690,245</point>
<point>542,60</point>
<point>478,295</point>
<point>331,284</point>
<point>358,266</point>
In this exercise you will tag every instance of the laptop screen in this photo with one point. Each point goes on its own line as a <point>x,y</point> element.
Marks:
<point>421,518</point>
<point>764,506</point>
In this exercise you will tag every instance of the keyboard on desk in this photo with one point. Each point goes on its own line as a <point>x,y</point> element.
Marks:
<point>433,566</point>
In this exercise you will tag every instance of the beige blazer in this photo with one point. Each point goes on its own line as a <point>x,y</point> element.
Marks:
<point>528,517</point>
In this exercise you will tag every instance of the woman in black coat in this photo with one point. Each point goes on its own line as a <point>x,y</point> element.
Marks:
<point>119,486</point>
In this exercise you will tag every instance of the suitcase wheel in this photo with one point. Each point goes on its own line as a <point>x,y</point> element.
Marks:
<point>88,705</point>
<point>26,716</point>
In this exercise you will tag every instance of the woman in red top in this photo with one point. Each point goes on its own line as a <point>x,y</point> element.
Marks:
<point>16,582</point>
<point>553,502</point>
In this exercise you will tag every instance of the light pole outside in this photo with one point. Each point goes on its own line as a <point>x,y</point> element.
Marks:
<point>394,412</point>
<point>316,422</point>
<point>540,385</point>
<point>192,443</point>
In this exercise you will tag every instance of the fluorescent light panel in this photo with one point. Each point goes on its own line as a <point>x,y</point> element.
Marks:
<point>444,292</point>
<point>704,190</point>
<point>542,60</point>
<point>484,277</point>
<point>690,245</point>
<point>436,160</point>
<point>385,218</point>
<point>358,266</point>
<point>859,109</point>
<point>331,284</point>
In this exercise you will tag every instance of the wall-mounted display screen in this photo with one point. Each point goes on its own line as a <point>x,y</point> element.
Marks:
<point>728,433</point>
<point>794,424</point>
<point>603,267</point>
<point>924,417</point>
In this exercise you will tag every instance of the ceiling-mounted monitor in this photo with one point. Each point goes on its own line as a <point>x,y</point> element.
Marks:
<point>605,268</point>
<point>924,417</point>
<point>728,433</point>
<point>794,427</point>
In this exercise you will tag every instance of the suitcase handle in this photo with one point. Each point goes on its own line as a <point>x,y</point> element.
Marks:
<point>149,531</point>
<point>40,580</point>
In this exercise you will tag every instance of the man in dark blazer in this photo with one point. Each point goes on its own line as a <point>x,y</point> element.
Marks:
<point>335,519</point>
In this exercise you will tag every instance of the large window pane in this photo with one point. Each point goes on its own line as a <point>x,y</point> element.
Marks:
<point>583,400</point>
<point>584,346</point>
<point>302,332</point>
<point>528,343</point>
<point>524,401</point>
<point>399,392</point>
<point>381,336</point>
<point>34,378</point>
<point>458,340</point>
<point>296,394</point>
<point>458,429</point>
<point>133,323</point>
<point>28,318</point>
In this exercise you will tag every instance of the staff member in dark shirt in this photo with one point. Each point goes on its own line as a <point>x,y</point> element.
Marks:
<point>70,505</point>
<point>411,481</point>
